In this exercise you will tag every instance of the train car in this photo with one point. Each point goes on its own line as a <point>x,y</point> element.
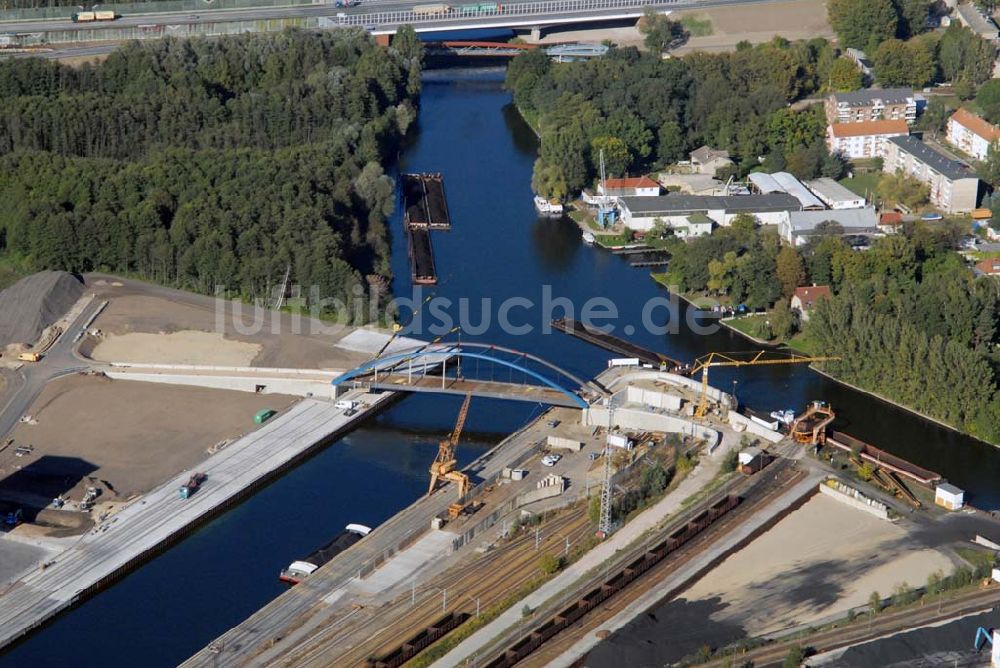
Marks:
<point>432,10</point>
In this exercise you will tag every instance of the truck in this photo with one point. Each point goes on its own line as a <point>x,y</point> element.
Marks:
<point>480,8</point>
<point>89,17</point>
<point>346,3</point>
<point>623,361</point>
<point>431,10</point>
<point>346,405</point>
<point>29,357</point>
<point>194,482</point>
<point>264,415</point>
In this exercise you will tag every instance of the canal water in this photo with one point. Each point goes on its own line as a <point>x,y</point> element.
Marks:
<point>498,249</point>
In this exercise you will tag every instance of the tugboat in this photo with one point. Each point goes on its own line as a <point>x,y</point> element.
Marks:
<point>545,207</point>
<point>297,571</point>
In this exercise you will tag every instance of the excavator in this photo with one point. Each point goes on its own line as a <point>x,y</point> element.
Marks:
<point>443,467</point>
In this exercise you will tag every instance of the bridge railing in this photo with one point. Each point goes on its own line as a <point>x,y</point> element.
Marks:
<point>151,7</point>
<point>504,10</point>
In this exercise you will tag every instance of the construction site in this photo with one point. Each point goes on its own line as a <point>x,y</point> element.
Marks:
<point>641,500</point>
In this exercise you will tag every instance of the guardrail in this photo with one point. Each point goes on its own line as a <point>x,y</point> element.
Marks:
<point>520,9</point>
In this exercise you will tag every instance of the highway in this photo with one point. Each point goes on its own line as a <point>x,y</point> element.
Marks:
<point>377,16</point>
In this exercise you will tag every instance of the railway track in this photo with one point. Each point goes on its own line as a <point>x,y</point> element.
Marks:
<point>755,495</point>
<point>863,630</point>
<point>353,638</point>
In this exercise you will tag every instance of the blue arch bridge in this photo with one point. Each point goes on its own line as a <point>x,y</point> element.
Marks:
<point>479,369</point>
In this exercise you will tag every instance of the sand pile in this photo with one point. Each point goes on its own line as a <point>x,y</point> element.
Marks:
<point>34,303</point>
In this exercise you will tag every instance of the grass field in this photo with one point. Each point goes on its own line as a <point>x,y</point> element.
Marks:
<point>697,27</point>
<point>747,324</point>
<point>862,184</point>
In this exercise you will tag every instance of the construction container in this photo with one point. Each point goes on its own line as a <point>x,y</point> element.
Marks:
<point>620,441</point>
<point>264,415</point>
<point>948,496</point>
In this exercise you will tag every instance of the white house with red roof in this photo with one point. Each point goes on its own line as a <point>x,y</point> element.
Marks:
<point>639,186</point>
<point>971,133</point>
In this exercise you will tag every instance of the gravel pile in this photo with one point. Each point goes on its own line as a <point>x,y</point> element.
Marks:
<point>34,303</point>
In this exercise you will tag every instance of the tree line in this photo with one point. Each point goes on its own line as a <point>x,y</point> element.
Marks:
<point>199,163</point>
<point>907,318</point>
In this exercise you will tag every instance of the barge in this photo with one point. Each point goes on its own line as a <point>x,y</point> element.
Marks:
<point>424,203</point>
<point>303,568</point>
<point>422,269</point>
<point>615,344</point>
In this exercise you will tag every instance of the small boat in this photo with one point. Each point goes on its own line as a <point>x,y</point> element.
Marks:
<point>546,207</point>
<point>301,569</point>
<point>589,238</point>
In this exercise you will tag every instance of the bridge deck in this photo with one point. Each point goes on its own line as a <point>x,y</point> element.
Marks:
<point>479,388</point>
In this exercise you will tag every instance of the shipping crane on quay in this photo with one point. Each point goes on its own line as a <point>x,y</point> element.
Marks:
<point>443,467</point>
<point>753,358</point>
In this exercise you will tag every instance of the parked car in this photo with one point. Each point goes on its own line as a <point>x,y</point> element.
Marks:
<point>550,460</point>
<point>552,424</point>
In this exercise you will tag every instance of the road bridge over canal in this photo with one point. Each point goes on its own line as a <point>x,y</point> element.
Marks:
<point>479,369</point>
<point>187,18</point>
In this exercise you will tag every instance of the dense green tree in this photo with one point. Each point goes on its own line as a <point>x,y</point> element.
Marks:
<point>790,270</point>
<point>964,55</point>
<point>988,100</point>
<point>899,63</point>
<point>900,188</point>
<point>660,33</point>
<point>863,24</point>
<point>913,16</point>
<point>844,76</point>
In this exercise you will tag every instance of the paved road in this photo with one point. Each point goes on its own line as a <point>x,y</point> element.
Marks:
<point>31,378</point>
<point>143,525</point>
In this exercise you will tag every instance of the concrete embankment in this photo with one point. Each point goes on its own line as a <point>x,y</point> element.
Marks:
<point>153,521</point>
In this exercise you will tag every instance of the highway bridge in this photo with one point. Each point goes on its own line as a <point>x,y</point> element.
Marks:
<point>378,17</point>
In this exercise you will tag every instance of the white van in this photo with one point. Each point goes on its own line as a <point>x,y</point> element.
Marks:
<point>346,404</point>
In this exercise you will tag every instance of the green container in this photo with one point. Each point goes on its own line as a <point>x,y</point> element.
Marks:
<point>264,415</point>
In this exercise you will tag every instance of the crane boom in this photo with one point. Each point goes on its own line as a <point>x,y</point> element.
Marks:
<point>443,466</point>
<point>752,358</point>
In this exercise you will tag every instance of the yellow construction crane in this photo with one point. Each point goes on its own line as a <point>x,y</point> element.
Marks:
<point>752,358</point>
<point>443,467</point>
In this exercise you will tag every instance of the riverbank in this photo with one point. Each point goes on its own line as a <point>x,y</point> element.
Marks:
<point>663,280</point>
<point>904,407</point>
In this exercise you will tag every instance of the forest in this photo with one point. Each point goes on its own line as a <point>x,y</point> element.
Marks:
<point>202,163</point>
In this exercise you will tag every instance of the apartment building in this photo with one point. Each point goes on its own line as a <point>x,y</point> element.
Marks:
<point>865,139</point>
<point>971,133</point>
<point>954,188</point>
<point>871,104</point>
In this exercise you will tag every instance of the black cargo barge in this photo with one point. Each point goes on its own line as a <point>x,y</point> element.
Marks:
<point>424,202</point>
<point>303,568</point>
<point>422,270</point>
<point>615,344</point>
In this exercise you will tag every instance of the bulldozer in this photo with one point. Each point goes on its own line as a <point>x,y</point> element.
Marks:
<point>443,467</point>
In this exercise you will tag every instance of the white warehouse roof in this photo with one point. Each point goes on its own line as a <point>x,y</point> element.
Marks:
<point>785,183</point>
<point>834,194</point>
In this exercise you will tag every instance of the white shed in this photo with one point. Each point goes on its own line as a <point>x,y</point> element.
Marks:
<point>949,496</point>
